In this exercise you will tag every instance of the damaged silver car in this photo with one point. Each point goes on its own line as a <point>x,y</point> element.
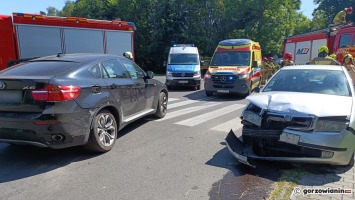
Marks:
<point>303,114</point>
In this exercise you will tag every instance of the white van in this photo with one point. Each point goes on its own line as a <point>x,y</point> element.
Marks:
<point>183,67</point>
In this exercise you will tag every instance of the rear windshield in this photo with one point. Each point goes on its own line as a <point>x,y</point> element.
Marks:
<point>38,68</point>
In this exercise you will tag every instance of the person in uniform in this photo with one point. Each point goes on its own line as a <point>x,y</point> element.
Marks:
<point>287,60</point>
<point>349,65</point>
<point>323,58</point>
<point>340,18</point>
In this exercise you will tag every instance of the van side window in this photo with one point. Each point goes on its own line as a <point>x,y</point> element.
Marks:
<point>344,41</point>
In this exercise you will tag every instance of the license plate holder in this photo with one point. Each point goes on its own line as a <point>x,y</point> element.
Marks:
<point>289,138</point>
<point>223,91</point>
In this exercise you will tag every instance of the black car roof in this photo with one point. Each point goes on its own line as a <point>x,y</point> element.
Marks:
<point>80,57</point>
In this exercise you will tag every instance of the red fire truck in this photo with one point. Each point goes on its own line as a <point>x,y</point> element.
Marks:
<point>27,36</point>
<point>340,41</point>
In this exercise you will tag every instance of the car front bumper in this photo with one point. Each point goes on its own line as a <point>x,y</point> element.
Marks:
<point>180,81</point>
<point>240,86</point>
<point>322,148</point>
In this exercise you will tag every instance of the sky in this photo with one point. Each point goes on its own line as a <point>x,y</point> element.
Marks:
<point>35,6</point>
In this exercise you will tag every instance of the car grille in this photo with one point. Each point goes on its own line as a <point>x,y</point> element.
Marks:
<point>183,74</point>
<point>223,79</point>
<point>280,122</point>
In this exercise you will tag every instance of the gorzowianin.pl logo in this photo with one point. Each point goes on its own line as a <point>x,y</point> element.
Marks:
<point>305,191</point>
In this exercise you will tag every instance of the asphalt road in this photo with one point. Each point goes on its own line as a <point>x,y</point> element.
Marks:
<point>182,156</point>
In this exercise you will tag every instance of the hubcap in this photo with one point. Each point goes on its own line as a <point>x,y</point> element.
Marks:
<point>106,130</point>
<point>164,103</point>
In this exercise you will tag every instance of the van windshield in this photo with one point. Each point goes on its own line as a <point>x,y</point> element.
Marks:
<point>231,58</point>
<point>183,59</point>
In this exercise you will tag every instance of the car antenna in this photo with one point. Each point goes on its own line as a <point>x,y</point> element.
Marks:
<point>60,55</point>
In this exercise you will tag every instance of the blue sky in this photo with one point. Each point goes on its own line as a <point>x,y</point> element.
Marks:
<point>34,6</point>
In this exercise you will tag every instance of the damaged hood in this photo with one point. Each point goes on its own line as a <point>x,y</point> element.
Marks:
<point>321,105</point>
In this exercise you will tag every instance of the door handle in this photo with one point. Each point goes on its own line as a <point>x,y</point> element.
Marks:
<point>95,89</point>
<point>113,86</point>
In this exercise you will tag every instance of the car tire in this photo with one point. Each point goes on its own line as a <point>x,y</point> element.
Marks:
<point>248,93</point>
<point>198,87</point>
<point>162,107</point>
<point>351,162</point>
<point>209,93</point>
<point>103,134</point>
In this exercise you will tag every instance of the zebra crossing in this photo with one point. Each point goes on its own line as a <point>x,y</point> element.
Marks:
<point>191,110</point>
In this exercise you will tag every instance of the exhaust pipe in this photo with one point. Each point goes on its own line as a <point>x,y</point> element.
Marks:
<point>57,138</point>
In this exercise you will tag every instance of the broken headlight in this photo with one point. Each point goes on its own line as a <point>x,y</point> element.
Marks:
<point>331,125</point>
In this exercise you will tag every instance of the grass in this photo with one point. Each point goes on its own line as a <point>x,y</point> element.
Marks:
<point>288,181</point>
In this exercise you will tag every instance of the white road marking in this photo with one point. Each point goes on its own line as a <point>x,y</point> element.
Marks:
<point>233,124</point>
<point>178,113</point>
<point>210,115</point>
<point>187,102</point>
<point>172,99</point>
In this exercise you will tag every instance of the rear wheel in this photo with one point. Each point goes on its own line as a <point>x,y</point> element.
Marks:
<point>162,107</point>
<point>103,133</point>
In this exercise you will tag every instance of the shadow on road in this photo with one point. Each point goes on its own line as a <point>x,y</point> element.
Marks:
<point>18,162</point>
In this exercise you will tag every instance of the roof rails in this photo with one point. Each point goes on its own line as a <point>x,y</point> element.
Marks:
<point>183,45</point>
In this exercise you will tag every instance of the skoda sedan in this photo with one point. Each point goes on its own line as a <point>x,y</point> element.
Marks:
<point>76,99</point>
<point>303,114</point>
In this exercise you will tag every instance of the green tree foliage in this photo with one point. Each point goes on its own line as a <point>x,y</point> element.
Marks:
<point>161,23</point>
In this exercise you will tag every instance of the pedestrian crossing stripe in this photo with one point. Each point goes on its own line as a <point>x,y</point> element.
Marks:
<point>181,112</point>
<point>172,99</point>
<point>210,115</point>
<point>234,124</point>
<point>187,102</point>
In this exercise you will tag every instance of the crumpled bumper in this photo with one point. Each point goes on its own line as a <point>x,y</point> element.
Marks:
<point>236,148</point>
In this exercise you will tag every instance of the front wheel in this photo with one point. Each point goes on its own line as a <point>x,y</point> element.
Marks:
<point>162,107</point>
<point>209,93</point>
<point>103,133</point>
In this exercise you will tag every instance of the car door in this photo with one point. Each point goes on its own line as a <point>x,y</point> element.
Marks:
<point>120,86</point>
<point>144,87</point>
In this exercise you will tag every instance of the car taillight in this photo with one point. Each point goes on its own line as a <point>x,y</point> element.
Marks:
<point>56,93</point>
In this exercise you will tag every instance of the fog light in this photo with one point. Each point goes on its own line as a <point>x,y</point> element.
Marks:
<point>327,154</point>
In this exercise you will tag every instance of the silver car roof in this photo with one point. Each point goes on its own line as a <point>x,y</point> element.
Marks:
<point>320,67</point>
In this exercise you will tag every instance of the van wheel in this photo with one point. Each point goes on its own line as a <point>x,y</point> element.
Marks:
<point>209,93</point>
<point>103,133</point>
<point>162,107</point>
<point>248,93</point>
<point>197,87</point>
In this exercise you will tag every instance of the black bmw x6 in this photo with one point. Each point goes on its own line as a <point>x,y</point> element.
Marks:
<point>76,99</point>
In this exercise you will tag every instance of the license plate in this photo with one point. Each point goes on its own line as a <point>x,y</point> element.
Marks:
<point>289,138</point>
<point>223,91</point>
<point>183,81</point>
<point>10,97</point>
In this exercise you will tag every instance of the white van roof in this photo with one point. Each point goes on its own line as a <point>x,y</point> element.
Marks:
<point>183,50</point>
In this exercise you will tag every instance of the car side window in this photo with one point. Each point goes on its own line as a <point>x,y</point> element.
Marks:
<point>344,41</point>
<point>114,69</point>
<point>134,71</point>
<point>96,71</point>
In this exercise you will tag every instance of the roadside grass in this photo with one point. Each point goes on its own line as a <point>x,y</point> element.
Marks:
<point>288,181</point>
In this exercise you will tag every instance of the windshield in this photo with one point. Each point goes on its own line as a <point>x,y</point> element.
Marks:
<point>231,58</point>
<point>183,59</point>
<point>310,81</point>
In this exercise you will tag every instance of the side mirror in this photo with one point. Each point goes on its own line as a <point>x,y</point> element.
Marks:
<point>150,74</point>
<point>255,64</point>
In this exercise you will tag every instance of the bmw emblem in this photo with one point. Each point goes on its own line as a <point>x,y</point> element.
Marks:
<point>288,118</point>
<point>2,85</point>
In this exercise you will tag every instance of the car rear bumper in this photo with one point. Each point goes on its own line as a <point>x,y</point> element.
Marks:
<point>44,130</point>
<point>319,151</point>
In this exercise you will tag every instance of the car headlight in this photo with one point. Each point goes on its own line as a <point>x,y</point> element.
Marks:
<point>197,73</point>
<point>243,76</point>
<point>168,73</point>
<point>207,75</point>
<point>328,125</point>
